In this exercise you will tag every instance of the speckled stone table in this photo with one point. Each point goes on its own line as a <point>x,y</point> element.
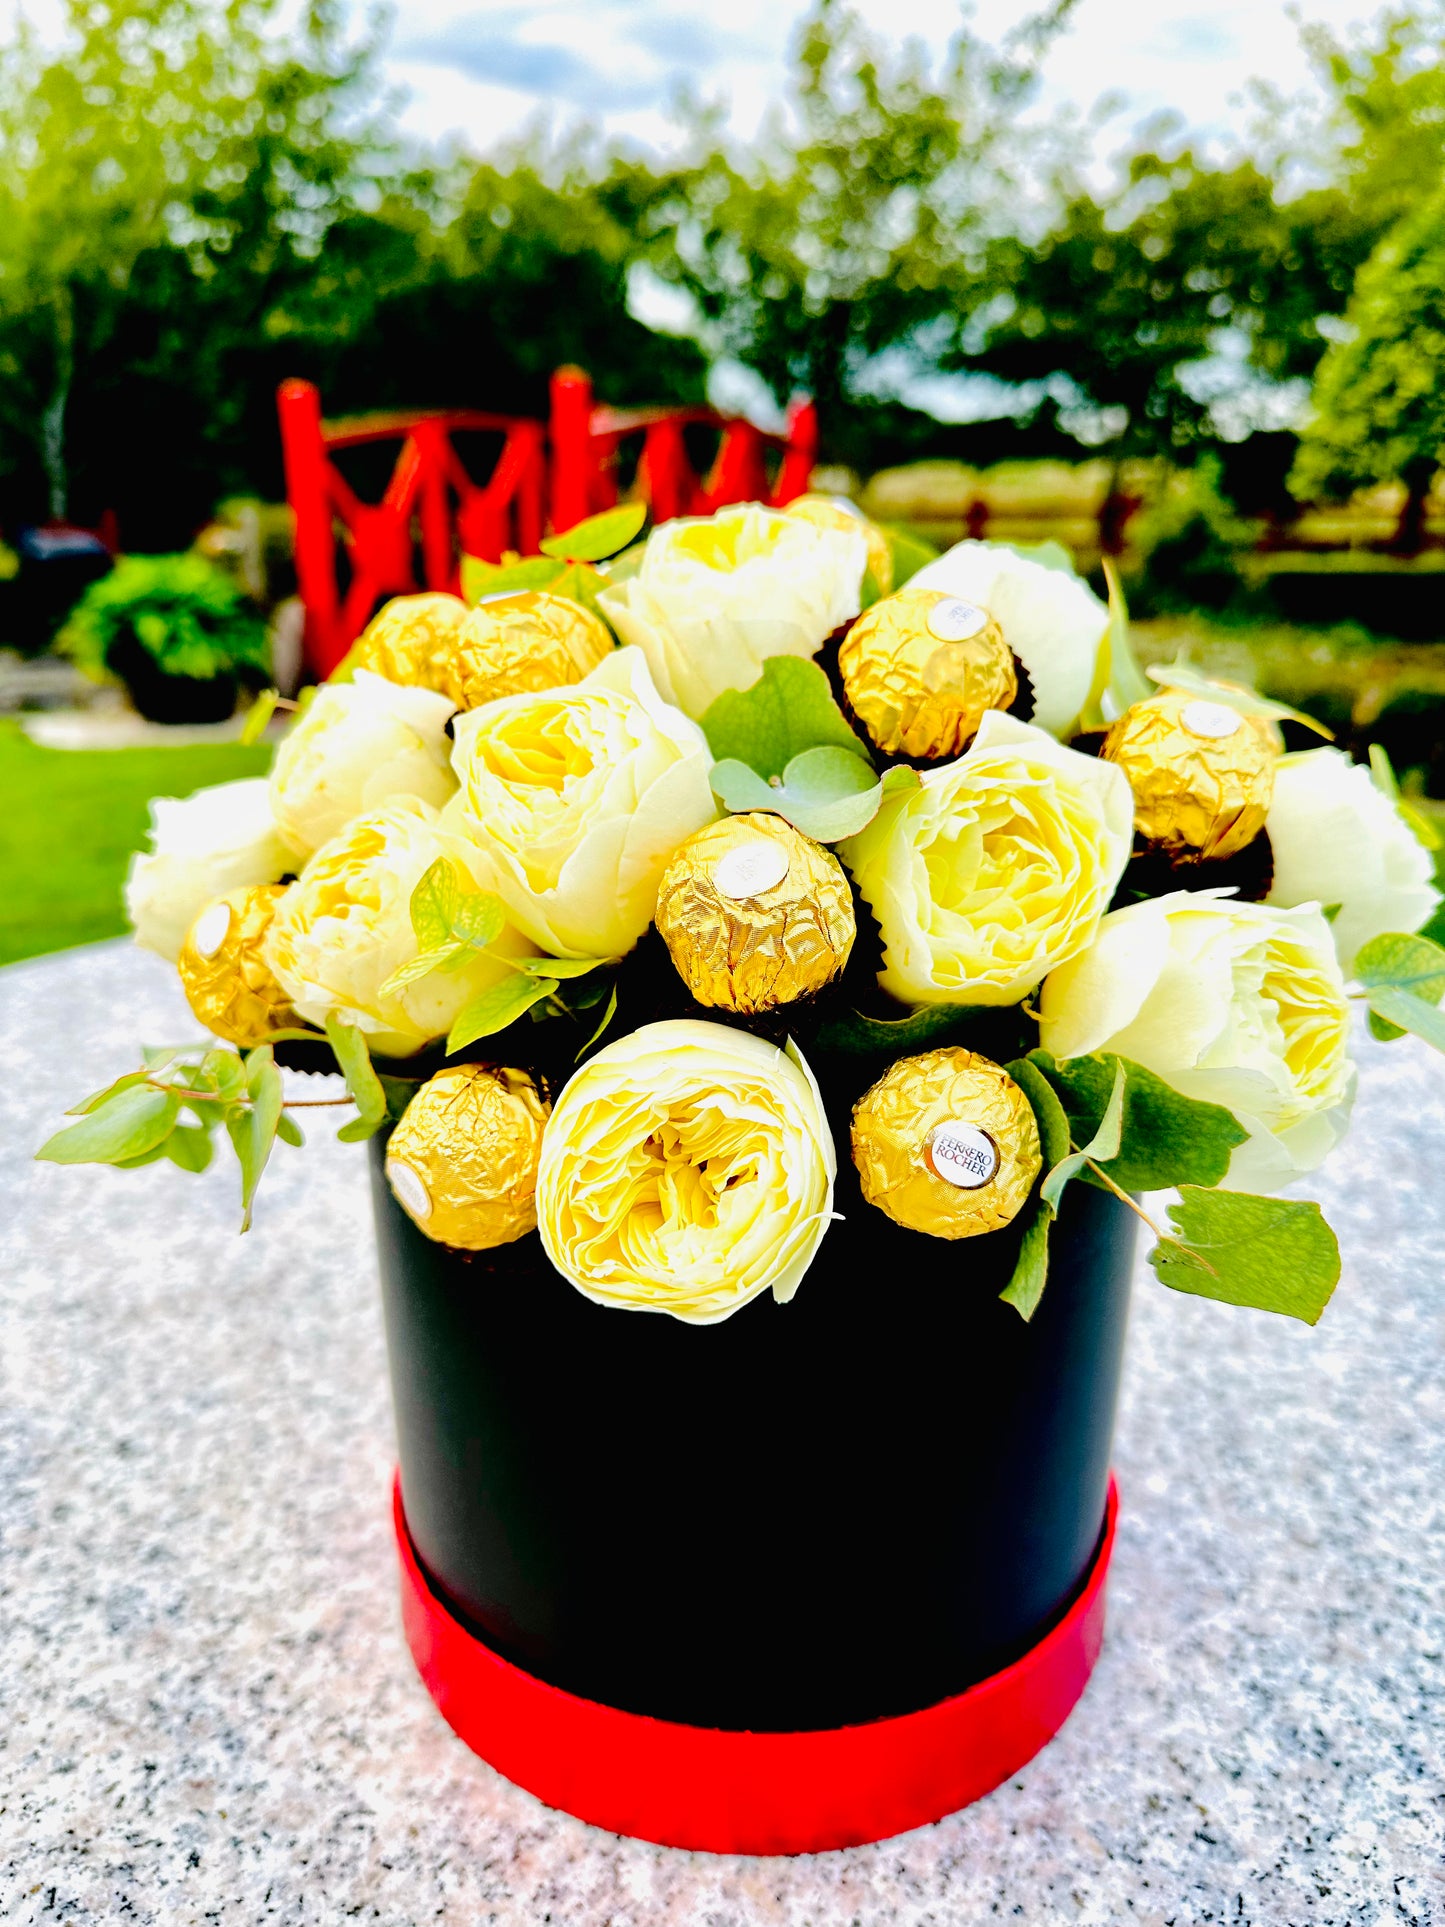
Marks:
<point>207,1713</point>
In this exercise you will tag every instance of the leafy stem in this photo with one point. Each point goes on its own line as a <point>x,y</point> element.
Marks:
<point>1164,1237</point>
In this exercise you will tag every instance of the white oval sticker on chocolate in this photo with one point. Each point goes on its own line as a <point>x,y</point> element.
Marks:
<point>410,1191</point>
<point>961,1154</point>
<point>1217,720</point>
<point>751,870</point>
<point>211,927</point>
<point>955,621</point>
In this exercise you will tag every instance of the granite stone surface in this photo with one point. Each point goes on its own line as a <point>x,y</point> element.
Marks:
<point>207,1713</point>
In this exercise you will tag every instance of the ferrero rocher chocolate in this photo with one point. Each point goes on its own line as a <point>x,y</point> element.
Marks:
<point>411,640</point>
<point>837,512</point>
<point>921,667</point>
<point>1201,772</point>
<point>754,913</point>
<point>946,1143</point>
<point>522,641</point>
<point>226,984</point>
<point>462,1163</point>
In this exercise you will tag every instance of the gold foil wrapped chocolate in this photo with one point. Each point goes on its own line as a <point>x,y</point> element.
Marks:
<point>521,642</point>
<point>754,913</point>
<point>1201,772</point>
<point>921,667</point>
<point>462,1163</point>
<point>411,640</point>
<point>837,512</point>
<point>946,1143</point>
<point>226,983</point>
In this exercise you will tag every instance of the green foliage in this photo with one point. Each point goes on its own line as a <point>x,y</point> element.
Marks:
<point>1404,978</point>
<point>789,709</point>
<point>493,1010</point>
<point>1271,1254</point>
<point>1188,542</point>
<point>187,616</point>
<point>599,536</point>
<point>1165,1139</point>
<point>828,793</point>
<point>354,1061</point>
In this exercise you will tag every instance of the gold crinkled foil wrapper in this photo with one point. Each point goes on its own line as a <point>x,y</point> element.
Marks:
<point>900,1138</point>
<point>1196,793</point>
<point>227,985</point>
<point>750,953</point>
<point>837,512</point>
<point>462,1163</point>
<point>520,643</point>
<point>412,640</point>
<point>918,693</point>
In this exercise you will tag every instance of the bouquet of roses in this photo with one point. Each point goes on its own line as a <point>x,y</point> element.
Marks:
<point>630,896</point>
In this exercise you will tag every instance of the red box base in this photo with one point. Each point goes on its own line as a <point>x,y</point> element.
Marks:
<point>763,1793</point>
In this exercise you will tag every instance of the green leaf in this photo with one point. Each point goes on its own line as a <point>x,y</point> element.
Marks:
<point>1101,1147</point>
<point>354,1059</point>
<point>422,965</point>
<point>1031,1271</point>
<point>607,1016</point>
<point>1167,1139</point>
<point>498,578</point>
<point>910,552</point>
<point>433,904</point>
<point>399,1093</point>
<point>789,708</point>
<point>1405,1011</point>
<point>189,1146</point>
<point>494,1009</point>
<point>257,717</point>
<point>1123,679</point>
<point>1180,675</point>
<point>289,1131</point>
<point>827,793</point>
<point>1273,1254</point>
<point>253,1130</point>
<point>1054,1137</point>
<point>855,1035</point>
<point>1402,962</point>
<point>478,918</point>
<point>126,1125</point>
<point>559,967</point>
<point>223,1072</point>
<point>97,1098</point>
<point>599,536</point>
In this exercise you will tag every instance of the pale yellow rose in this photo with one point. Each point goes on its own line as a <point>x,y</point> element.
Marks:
<point>715,598</point>
<point>686,1168</point>
<point>222,838</point>
<point>1238,1004</point>
<point>573,799</point>
<point>1053,622</point>
<point>1336,838</point>
<point>996,868</point>
<point>345,925</point>
<point>358,744</point>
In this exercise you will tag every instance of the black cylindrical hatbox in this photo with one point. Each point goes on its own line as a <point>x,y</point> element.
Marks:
<point>811,1515</point>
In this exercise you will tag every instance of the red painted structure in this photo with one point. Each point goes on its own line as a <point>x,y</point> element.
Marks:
<point>736,1792</point>
<point>352,554</point>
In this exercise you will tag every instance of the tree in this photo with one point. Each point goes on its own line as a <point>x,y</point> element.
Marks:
<point>1379,398</point>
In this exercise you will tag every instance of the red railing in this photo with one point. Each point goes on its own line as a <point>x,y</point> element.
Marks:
<point>547,475</point>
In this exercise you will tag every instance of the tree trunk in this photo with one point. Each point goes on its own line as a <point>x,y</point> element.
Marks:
<point>52,418</point>
<point>1409,536</point>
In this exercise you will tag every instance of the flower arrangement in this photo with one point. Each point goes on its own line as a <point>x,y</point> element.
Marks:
<point>631,896</point>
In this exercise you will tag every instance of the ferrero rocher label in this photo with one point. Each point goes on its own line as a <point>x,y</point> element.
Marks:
<point>755,914</point>
<point>1202,773</point>
<point>837,512</point>
<point>227,985</point>
<point>523,641</point>
<point>946,1143</point>
<point>921,667</point>
<point>411,640</point>
<point>462,1163</point>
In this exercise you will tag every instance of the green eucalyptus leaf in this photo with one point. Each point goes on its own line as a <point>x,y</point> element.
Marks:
<point>789,708</point>
<point>1181,675</point>
<point>501,578</point>
<point>828,793</point>
<point>1272,1254</point>
<point>559,967</point>
<point>289,1131</point>
<point>1405,1011</point>
<point>924,1028</point>
<point>1031,1270</point>
<point>607,1016</point>
<point>1124,681</point>
<point>498,1007</point>
<point>1101,1147</point>
<point>1402,962</point>
<point>189,1146</point>
<point>1055,1140</point>
<point>1167,1139</point>
<point>252,1130</point>
<point>126,1125</point>
<point>599,536</point>
<point>97,1098</point>
<point>354,1060</point>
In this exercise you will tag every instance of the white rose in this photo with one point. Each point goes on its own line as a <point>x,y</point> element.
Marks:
<point>573,799</point>
<point>715,598</point>
<point>1336,838</point>
<point>996,868</point>
<point>345,925</point>
<point>1238,1004</point>
<point>1053,622</point>
<point>686,1168</point>
<point>201,846</point>
<point>358,744</point>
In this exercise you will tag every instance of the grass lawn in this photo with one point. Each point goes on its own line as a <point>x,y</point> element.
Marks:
<point>69,820</point>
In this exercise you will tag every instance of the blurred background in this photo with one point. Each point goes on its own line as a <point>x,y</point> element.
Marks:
<point>1166,289</point>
